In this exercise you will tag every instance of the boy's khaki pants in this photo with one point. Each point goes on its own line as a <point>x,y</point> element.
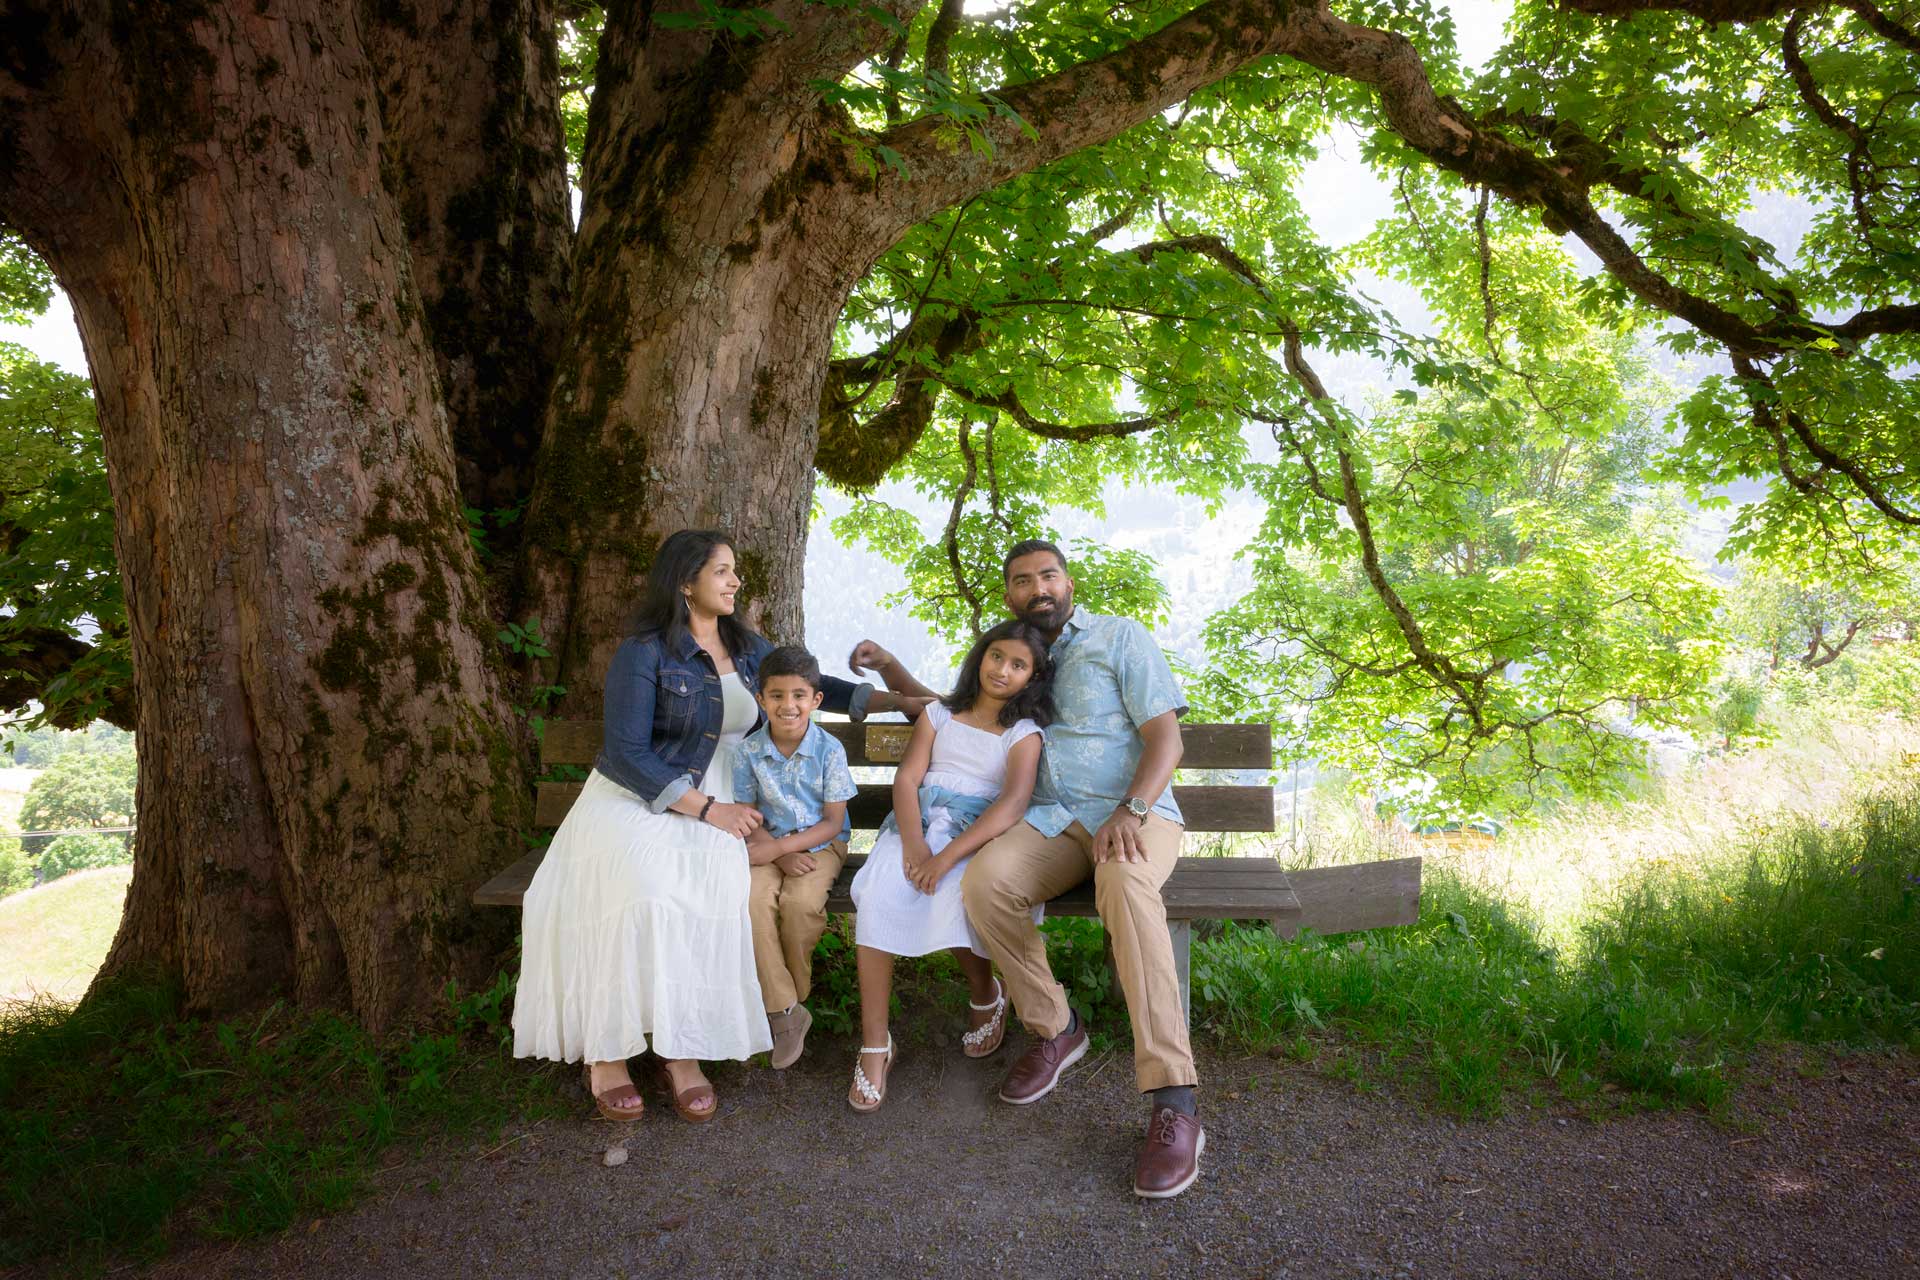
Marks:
<point>1021,868</point>
<point>789,915</point>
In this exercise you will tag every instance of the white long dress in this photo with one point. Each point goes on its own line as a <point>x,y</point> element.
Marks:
<point>636,925</point>
<point>892,915</point>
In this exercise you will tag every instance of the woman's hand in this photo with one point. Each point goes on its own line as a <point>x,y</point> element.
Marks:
<point>927,875</point>
<point>737,820</point>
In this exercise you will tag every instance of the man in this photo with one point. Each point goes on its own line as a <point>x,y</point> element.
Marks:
<point>1103,806</point>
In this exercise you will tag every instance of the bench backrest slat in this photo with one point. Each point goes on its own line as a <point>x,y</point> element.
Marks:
<point>1205,808</point>
<point>1205,746</point>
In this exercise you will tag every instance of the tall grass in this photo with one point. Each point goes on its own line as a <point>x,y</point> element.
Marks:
<point>1798,927</point>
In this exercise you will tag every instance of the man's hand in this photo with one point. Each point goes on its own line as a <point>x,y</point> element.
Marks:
<point>869,656</point>
<point>796,864</point>
<point>1118,839</point>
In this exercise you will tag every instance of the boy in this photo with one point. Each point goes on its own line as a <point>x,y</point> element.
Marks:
<point>795,773</point>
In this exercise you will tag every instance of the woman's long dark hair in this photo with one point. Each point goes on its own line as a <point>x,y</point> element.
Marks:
<point>1035,702</point>
<point>663,608</point>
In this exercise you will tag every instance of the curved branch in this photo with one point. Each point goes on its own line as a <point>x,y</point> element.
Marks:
<point>1085,104</point>
<point>1736,11</point>
<point>950,538</point>
<point>1859,158</point>
<point>1008,403</point>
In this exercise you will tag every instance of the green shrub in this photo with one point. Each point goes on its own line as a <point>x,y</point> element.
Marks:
<point>16,868</point>
<point>82,853</point>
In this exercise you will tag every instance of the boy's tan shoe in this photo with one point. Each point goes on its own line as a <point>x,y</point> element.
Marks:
<point>789,1035</point>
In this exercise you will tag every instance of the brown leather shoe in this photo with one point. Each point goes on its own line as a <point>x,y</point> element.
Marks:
<point>1039,1068</point>
<point>1170,1157</point>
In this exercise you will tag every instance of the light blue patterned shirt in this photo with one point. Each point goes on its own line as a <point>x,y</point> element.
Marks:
<point>789,791</point>
<point>1109,679</point>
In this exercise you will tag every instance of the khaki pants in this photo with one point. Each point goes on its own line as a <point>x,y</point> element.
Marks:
<point>1021,868</point>
<point>789,915</point>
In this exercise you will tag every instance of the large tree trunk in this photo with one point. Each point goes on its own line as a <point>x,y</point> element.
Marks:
<point>327,767</point>
<point>717,246</point>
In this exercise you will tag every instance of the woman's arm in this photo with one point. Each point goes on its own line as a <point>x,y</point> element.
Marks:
<point>1023,765</point>
<point>627,707</point>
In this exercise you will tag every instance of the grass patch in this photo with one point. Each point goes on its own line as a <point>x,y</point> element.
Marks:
<point>1801,929</point>
<point>135,1128</point>
<point>52,938</point>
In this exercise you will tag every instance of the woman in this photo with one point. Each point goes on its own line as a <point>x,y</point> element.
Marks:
<point>636,923</point>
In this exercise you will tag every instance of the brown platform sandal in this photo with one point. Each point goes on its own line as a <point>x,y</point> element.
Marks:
<point>682,1099</point>
<point>604,1101</point>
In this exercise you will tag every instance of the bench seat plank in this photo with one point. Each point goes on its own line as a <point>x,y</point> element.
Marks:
<point>1205,808</point>
<point>1203,746</point>
<point>1199,889</point>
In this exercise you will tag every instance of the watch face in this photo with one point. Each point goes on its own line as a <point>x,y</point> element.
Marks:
<point>1137,807</point>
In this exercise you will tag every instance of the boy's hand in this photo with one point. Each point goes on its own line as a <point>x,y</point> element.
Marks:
<point>796,864</point>
<point>762,848</point>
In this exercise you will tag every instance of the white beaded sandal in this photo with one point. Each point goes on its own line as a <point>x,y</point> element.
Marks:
<point>864,1096</point>
<point>985,1040</point>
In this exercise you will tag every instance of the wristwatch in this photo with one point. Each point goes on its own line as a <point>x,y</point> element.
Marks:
<point>1137,807</point>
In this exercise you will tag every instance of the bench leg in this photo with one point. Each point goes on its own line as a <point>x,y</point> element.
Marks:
<point>1181,931</point>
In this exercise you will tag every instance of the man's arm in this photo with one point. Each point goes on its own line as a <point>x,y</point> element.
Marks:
<point>869,656</point>
<point>1160,751</point>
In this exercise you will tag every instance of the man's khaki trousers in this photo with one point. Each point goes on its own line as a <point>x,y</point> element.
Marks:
<point>789,915</point>
<point>1022,868</point>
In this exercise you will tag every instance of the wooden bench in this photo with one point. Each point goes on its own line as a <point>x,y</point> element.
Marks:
<point>1327,900</point>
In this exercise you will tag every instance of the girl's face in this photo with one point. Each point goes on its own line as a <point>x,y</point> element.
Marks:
<point>713,588</point>
<point>1005,668</point>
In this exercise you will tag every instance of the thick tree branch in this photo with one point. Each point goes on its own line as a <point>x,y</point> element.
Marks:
<point>1078,107</point>
<point>1770,422</point>
<point>950,537</point>
<point>1859,156</point>
<point>1008,403</point>
<point>32,658</point>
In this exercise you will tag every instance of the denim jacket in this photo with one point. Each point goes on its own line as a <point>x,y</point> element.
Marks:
<point>663,710</point>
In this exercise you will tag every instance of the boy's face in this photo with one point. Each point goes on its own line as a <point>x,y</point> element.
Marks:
<point>789,702</point>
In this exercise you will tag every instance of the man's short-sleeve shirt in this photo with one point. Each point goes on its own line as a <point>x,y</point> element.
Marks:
<point>790,791</point>
<point>1109,679</point>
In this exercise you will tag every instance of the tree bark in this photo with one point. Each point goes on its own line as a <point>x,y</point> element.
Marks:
<point>327,766</point>
<point>714,255</point>
<point>474,152</point>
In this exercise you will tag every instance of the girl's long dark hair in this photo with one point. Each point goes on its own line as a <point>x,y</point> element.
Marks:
<point>663,609</point>
<point>1035,702</point>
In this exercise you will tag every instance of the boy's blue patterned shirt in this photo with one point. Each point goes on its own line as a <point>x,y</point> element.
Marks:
<point>790,791</point>
<point>1109,679</point>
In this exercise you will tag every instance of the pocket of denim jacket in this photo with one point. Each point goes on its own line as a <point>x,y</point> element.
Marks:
<point>677,694</point>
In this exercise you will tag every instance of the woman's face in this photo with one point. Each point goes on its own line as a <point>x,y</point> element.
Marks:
<point>1005,668</point>
<point>714,587</point>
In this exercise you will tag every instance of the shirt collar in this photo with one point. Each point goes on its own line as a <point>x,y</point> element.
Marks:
<point>1079,620</point>
<point>762,742</point>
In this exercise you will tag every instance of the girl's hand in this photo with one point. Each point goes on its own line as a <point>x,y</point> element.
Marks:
<point>738,820</point>
<point>914,854</point>
<point>930,873</point>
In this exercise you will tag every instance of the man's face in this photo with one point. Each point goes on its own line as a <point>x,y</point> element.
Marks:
<point>1039,592</point>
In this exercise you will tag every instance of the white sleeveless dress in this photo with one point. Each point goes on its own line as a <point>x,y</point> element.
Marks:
<point>893,916</point>
<point>636,926</point>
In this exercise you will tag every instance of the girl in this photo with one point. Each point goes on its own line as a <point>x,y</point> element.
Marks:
<point>967,776</point>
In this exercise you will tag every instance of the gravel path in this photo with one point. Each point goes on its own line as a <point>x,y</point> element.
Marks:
<point>1303,1176</point>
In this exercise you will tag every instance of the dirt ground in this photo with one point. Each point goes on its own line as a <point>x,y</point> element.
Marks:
<point>1303,1176</point>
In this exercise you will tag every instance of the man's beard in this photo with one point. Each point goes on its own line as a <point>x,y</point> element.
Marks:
<point>1048,616</point>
